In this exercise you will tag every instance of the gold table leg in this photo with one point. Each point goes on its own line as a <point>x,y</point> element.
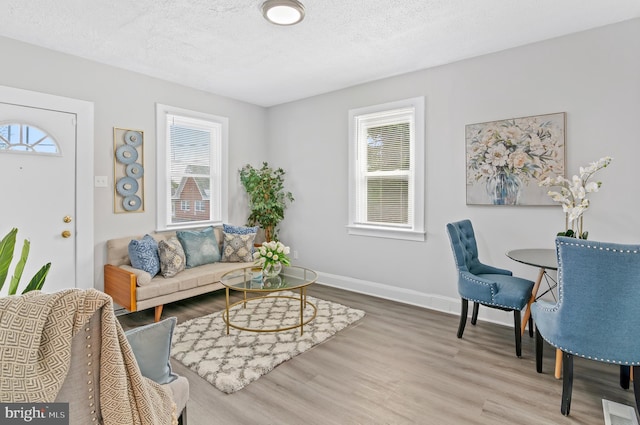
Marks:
<point>303,304</point>
<point>227,308</point>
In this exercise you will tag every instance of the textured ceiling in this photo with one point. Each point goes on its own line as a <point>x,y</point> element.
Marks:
<point>226,47</point>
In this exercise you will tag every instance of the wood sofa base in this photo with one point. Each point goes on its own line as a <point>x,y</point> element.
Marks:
<point>121,286</point>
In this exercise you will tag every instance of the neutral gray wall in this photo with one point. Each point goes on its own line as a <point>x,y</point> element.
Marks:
<point>593,76</point>
<point>127,100</point>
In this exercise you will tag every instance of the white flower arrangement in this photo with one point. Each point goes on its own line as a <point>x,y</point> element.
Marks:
<point>573,194</point>
<point>524,147</point>
<point>271,253</point>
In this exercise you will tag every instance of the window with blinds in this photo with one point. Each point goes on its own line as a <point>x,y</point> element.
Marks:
<point>387,170</point>
<point>191,168</point>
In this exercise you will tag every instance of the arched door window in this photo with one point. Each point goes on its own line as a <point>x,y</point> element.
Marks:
<point>20,137</point>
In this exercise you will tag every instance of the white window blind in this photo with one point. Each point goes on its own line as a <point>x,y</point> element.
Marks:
<point>191,168</point>
<point>387,170</point>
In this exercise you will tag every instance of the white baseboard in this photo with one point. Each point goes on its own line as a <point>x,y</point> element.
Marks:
<point>408,296</point>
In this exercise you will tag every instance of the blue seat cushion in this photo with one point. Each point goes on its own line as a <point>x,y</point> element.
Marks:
<point>512,292</point>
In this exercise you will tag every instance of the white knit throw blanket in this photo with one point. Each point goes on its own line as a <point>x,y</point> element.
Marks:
<point>35,352</point>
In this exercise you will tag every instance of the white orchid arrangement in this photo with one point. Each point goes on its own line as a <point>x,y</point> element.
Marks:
<point>573,195</point>
<point>271,253</point>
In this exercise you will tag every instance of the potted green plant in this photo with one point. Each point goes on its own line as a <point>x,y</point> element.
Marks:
<point>267,197</point>
<point>7,246</point>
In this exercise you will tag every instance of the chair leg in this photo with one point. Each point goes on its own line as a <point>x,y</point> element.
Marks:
<point>182,420</point>
<point>463,317</point>
<point>636,386</point>
<point>516,323</point>
<point>539,349</point>
<point>474,315</point>
<point>567,382</point>
<point>530,326</point>
<point>625,372</point>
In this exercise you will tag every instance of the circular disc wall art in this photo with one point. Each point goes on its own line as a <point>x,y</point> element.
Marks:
<point>126,154</point>
<point>133,138</point>
<point>135,170</point>
<point>128,170</point>
<point>131,202</point>
<point>126,186</point>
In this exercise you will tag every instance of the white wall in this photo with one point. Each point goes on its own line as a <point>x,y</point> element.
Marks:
<point>593,76</point>
<point>127,100</point>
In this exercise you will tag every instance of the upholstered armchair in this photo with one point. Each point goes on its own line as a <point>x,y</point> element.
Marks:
<point>483,284</point>
<point>596,315</point>
<point>68,347</point>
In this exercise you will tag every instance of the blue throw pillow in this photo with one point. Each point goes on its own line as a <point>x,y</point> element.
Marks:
<point>151,345</point>
<point>239,230</point>
<point>143,254</point>
<point>200,246</point>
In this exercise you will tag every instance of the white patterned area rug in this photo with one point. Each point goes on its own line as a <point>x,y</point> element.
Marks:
<point>230,362</point>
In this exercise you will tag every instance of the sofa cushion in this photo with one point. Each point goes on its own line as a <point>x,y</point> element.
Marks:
<point>151,345</point>
<point>238,247</point>
<point>200,246</point>
<point>172,257</point>
<point>142,277</point>
<point>186,280</point>
<point>143,254</point>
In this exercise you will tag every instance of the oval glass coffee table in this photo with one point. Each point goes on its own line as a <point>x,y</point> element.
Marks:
<point>250,280</point>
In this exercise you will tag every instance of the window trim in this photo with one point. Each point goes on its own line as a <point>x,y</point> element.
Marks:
<point>415,231</point>
<point>163,203</point>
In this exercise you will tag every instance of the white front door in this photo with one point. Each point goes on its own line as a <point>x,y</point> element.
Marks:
<point>40,192</point>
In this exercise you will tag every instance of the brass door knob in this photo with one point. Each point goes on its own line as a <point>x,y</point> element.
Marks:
<point>66,219</point>
<point>66,234</point>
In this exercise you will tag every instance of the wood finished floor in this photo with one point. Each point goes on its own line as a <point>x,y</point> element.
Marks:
<point>399,365</point>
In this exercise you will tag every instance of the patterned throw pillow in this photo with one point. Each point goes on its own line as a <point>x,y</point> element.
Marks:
<point>143,254</point>
<point>239,230</point>
<point>200,246</point>
<point>238,248</point>
<point>172,258</point>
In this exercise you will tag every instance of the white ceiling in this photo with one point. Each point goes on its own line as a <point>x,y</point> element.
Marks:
<point>226,47</point>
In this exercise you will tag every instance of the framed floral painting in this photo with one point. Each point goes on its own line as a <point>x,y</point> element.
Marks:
<point>506,160</point>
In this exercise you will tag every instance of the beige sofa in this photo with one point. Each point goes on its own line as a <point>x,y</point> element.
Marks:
<point>129,287</point>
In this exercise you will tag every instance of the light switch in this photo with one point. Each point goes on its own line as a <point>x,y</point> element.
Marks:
<point>100,181</point>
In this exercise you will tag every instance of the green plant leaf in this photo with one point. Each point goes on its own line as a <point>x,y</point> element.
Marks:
<point>38,279</point>
<point>7,245</point>
<point>17,273</point>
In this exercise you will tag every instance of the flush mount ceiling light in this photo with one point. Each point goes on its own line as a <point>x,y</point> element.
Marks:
<point>283,12</point>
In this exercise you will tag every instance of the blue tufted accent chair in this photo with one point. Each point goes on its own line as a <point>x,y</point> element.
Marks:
<point>596,315</point>
<point>483,284</point>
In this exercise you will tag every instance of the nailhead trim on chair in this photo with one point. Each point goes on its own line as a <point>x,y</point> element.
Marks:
<point>90,381</point>
<point>510,307</point>
<point>612,361</point>
<point>587,245</point>
<point>560,296</point>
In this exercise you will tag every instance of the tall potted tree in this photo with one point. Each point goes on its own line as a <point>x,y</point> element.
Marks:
<point>267,197</point>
